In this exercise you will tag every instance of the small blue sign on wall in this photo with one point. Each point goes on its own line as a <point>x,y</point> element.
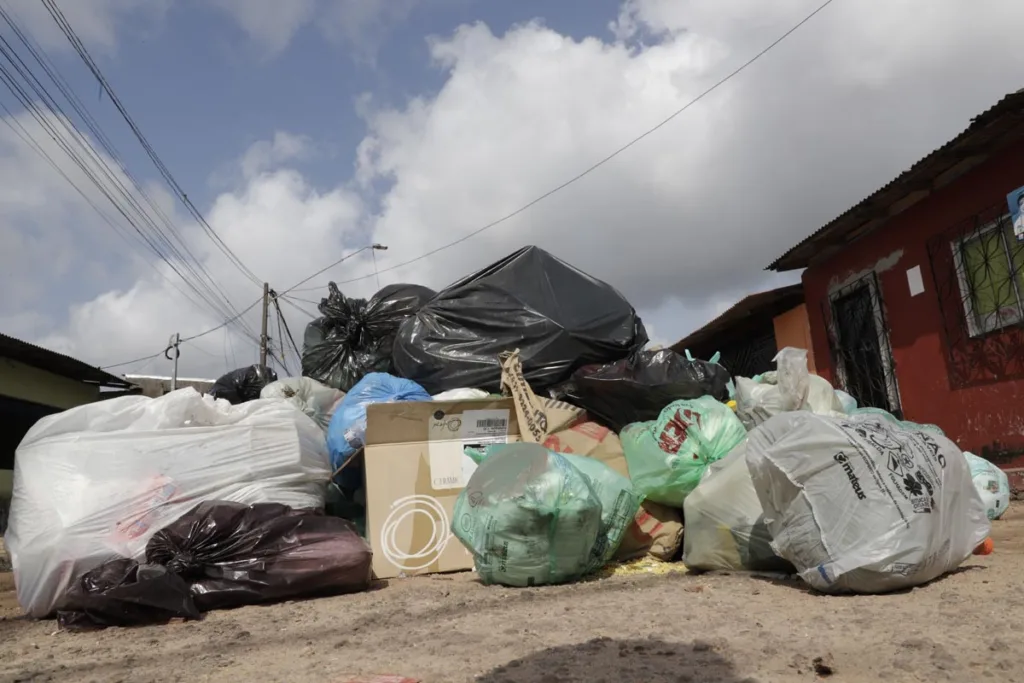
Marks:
<point>1015,200</point>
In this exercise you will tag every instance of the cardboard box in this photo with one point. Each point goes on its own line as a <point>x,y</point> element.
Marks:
<point>415,469</point>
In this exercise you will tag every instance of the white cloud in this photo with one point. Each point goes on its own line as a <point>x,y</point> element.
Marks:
<point>267,154</point>
<point>270,23</point>
<point>97,22</point>
<point>360,25</point>
<point>682,223</point>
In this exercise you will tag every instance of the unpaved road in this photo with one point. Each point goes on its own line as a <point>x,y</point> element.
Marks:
<point>677,628</point>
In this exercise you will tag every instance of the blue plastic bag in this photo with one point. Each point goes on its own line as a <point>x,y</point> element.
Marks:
<point>347,431</point>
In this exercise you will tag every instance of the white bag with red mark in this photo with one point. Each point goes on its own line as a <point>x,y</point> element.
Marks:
<point>97,481</point>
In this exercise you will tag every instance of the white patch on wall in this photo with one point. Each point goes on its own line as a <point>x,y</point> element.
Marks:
<point>914,281</point>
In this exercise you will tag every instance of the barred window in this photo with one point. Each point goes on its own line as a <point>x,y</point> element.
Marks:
<point>990,269</point>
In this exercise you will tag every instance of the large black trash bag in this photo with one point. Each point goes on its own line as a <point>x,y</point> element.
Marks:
<point>124,593</point>
<point>558,317</point>
<point>243,384</point>
<point>233,554</point>
<point>219,555</point>
<point>354,337</point>
<point>638,388</point>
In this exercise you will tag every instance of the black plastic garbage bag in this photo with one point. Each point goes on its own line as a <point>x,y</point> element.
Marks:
<point>124,593</point>
<point>559,318</point>
<point>232,554</point>
<point>243,384</point>
<point>219,555</point>
<point>637,389</point>
<point>354,337</point>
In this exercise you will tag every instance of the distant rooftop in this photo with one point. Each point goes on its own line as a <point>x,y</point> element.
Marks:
<point>57,363</point>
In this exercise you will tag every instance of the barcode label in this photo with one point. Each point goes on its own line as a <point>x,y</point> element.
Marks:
<point>485,426</point>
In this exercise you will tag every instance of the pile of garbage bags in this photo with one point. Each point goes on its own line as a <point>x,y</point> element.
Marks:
<point>138,510</point>
<point>96,482</point>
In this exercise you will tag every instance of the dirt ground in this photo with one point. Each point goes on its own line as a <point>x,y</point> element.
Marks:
<point>724,628</point>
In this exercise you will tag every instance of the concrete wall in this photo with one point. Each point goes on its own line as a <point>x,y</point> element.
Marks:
<point>976,416</point>
<point>793,328</point>
<point>31,384</point>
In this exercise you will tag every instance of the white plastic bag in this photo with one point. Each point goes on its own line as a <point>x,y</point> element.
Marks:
<point>792,387</point>
<point>311,397</point>
<point>460,395</point>
<point>97,481</point>
<point>725,527</point>
<point>864,506</point>
<point>992,483</point>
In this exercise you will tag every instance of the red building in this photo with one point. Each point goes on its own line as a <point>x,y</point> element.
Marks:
<point>915,296</point>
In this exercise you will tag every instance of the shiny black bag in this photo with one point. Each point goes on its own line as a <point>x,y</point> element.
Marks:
<point>558,317</point>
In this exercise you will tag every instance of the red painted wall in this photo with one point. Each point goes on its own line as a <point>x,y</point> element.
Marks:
<point>974,417</point>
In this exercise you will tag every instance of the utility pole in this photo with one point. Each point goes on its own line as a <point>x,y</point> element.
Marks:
<point>174,343</point>
<point>263,332</point>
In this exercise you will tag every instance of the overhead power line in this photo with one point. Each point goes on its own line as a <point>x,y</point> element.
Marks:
<point>153,230</point>
<point>593,167</point>
<point>186,339</point>
<point>295,287</point>
<point>79,47</point>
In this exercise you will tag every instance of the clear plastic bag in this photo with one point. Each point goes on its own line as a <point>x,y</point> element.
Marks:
<point>96,482</point>
<point>667,457</point>
<point>316,400</point>
<point>992,484</point>
<point>725,527</point>
<point>790,387</point>
<point>529,517</point>
<point>864,505</point>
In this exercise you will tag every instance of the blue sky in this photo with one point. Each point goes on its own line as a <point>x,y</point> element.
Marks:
<point>303,130</point>
<point>203,91</point>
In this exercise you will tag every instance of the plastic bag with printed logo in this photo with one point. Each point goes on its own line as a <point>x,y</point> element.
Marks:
<point>864,505</point>
<point>667,457</point>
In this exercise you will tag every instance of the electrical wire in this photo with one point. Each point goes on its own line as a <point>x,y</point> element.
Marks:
<point>184,340</point>
<point>593,167</point>
<point>323,270</point>
<point>83,53</point>
<point>148,232</point>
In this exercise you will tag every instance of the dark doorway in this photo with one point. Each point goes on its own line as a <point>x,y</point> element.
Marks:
<point>861,348</point>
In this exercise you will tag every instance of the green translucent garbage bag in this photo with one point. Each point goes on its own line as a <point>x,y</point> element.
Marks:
<point>668,456</point>
<point>619,502</point>
<point>529,517</point>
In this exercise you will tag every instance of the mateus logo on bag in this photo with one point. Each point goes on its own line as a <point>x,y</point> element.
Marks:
<point>848,468</point>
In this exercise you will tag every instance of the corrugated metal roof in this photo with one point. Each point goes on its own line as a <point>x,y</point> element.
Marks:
<point>57,363</point>
<point>754,308</point>
<point>990,132</point>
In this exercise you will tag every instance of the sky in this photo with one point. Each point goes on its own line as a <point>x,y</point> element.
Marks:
<point>304,131</point>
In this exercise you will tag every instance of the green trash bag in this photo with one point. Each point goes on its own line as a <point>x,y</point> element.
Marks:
<point>667,457</point>
<point>619,502</point>
<point>529,518</point>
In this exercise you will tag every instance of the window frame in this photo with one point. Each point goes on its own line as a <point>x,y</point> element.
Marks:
<point>995,321</point>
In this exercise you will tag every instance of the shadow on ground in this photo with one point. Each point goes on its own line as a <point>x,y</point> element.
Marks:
<point>605,660</point>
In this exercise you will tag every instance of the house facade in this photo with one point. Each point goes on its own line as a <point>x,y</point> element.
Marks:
<point>752,331</point>
<point>915,296</point>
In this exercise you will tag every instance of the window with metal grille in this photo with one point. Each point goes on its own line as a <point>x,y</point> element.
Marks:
<point>990,271</point>
<point>978,268</point>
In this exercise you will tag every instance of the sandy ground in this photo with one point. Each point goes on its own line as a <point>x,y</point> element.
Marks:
<point>679,627</point>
